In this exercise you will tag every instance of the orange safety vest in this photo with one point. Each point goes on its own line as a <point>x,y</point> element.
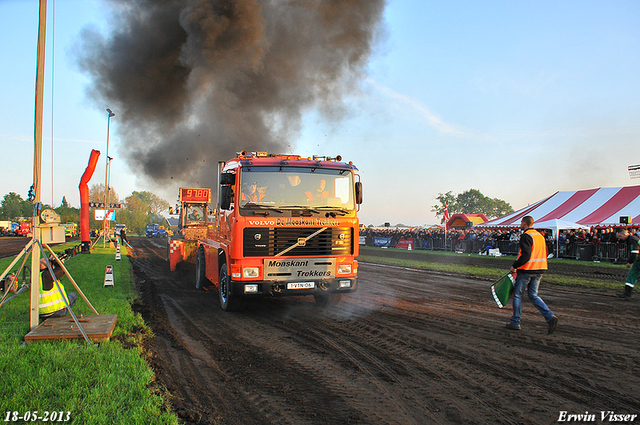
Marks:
<point>317,195</point>
<point>255,197</point>
<point>538,260</point>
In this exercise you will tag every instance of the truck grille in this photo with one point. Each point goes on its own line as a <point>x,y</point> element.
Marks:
<point>267,242</point>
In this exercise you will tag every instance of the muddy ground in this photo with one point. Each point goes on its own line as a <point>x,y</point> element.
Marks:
<point>10,246</point>
<point>410,347</point>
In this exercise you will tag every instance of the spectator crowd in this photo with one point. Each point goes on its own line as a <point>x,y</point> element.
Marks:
<point>588,244</point>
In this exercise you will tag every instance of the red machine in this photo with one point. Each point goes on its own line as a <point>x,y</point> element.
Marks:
<point>24,229</point>
<point>283,226</point>
<point>192,226</point>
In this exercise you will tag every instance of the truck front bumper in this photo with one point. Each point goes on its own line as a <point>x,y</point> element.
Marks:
<point>289,288</point>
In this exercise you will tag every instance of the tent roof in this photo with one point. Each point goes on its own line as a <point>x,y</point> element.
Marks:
<point>558,224</point>
<point>602,206</point>
<point>473,218</point>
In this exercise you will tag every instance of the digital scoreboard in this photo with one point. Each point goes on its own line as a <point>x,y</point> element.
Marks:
<point>192,195</point>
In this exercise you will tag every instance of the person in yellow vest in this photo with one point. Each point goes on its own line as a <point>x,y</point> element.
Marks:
<point>51,302</point>
<point>530,266</point>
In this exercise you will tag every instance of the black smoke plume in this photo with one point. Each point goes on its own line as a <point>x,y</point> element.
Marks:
<point>194,81</point>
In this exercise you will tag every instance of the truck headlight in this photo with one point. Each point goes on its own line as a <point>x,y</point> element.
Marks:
<point>344,284</point>
<point>344,268</point>
<point>250,272</point>
<point>250,289</point>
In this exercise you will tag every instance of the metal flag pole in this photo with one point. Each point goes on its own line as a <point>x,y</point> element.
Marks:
<point>105,223</point>
<point>37,166</point>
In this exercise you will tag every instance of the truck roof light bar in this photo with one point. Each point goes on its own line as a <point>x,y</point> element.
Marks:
<point>338,158</point>
<point>264,154</point>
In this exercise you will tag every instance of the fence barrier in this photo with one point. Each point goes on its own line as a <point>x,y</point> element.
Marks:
<point>613,252</point>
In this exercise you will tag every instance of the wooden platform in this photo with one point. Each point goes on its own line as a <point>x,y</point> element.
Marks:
<point>97,327</point>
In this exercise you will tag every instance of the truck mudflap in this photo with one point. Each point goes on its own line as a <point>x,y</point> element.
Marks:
<point>179,250</point>
<point>290,288</point>
<point>176,253</point>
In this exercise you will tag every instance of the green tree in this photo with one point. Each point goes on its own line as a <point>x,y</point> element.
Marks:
<point>140,209</point>
<point>154,203</point>
<point>471,202</point>
<point>499,208</point>
<point>135,221</point>
<point>68,214</point>
<point>447,199</point>
<point>97,194</point>
<point>14,207</point>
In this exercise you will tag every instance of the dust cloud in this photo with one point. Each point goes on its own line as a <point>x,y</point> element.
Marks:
<point>194,81</point>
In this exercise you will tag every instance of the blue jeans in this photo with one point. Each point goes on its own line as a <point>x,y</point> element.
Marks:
<point>532,282</point>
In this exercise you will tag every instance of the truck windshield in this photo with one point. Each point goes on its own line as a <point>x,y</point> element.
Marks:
<point>296,188</point>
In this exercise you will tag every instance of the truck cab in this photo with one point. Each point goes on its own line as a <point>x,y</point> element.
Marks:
<point>154,230</point>
<point>284,226</point>
<point>24,229</point>
<point>70,230</point>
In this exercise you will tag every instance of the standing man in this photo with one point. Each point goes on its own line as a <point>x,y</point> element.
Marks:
<point>123,236</point>
<point>530,265</point>
<point>633,263</point>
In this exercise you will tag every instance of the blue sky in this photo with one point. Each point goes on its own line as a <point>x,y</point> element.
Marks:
<point>515,99</point>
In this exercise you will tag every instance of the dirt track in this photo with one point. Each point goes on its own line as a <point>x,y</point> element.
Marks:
<point>411,347</point>
<point>10,246</point>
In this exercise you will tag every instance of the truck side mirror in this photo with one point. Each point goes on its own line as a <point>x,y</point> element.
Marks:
<point>228,178</point>
<point>358,193</point>
<point>226,193</point>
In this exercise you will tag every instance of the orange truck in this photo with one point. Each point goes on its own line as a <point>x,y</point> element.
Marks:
<point>283,225</point>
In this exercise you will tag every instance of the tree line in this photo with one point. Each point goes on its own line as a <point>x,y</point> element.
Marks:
<point>471,202</point>
<point>140,209</point>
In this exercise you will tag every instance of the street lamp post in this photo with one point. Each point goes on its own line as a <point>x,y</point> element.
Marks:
<point>105,222</point>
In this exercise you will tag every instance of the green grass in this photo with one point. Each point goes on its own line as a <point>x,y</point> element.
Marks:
<point>492,268</point>
<point>109,383</point>
<point>488,272</point>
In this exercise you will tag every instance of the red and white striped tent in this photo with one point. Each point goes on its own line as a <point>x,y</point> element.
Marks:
<point>593,207</point>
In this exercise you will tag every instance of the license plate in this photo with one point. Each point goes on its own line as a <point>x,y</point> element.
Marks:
<point>301,285</point>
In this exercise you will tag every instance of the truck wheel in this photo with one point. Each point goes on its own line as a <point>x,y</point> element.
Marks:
<point>327,300</point>
<point>201,277</point>
<point>227,301</point>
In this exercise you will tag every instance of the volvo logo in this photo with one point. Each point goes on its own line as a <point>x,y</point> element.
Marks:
<point>257,236</point>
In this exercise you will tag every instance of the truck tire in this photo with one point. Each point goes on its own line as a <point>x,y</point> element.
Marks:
<point>227,301</point>
<point>201,277</point>
<point>327,300</point>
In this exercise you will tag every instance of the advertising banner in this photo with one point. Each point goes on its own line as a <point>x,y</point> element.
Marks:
<point>406,243</point>
<point>379,241</point>
<point>99,215</point>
